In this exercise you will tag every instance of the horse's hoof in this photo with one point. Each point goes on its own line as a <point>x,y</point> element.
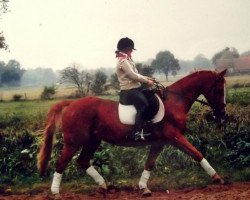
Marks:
<point>218,180</point>
<point>146,192</point>
<point>102,191</point>
<point>57,196</point>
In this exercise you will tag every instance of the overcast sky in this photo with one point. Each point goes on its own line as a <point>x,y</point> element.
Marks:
<point>56,33</point>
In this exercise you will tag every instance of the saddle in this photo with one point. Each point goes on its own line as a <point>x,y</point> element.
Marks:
<point>154,114</point>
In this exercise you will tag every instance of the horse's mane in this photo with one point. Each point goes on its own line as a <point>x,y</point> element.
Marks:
<point>192,76</point>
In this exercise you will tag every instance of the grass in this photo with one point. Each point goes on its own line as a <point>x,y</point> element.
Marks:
<point>241,80</point>
<point>32,93</point>
<point>26,107</point>
<point>33,107</point>
<point>239,95</point>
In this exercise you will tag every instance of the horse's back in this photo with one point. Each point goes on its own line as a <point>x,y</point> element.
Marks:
<point>87,108</point>
<point>89,101</point>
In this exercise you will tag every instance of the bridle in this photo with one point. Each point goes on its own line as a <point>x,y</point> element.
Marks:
<point>212,104</point>
<point>218,115</point>
<point>160,86</point>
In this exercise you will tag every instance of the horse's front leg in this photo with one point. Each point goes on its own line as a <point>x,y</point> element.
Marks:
<point>149,165</point>
<point>183,144</point>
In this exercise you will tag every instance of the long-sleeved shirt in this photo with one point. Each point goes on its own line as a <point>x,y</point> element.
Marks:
<point>127,73</point>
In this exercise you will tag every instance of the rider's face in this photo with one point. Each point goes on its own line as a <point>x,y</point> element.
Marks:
<point>129,52</point>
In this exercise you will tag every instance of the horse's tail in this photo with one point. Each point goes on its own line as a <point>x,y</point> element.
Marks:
<point>46,147</point>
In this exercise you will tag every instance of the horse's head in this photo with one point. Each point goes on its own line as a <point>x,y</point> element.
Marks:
<point>215,95</point>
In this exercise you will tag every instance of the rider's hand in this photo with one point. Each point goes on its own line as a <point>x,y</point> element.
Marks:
<point>150,82</point>
<point>152,78</point>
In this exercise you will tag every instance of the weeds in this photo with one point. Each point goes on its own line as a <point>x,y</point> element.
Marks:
<point>225,147</point>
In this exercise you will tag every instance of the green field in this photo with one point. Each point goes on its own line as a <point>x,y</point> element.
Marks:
<point>226,147</point>
<point>29,107</point>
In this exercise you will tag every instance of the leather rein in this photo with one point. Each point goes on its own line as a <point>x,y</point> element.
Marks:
<point>160,86</point>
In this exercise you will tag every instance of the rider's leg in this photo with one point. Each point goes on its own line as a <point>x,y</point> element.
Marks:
<point>137,98</point>
<point>141,104</point>
<point>139,122</point>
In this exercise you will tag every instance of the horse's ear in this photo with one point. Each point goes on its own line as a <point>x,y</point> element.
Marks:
<point>222,73</point>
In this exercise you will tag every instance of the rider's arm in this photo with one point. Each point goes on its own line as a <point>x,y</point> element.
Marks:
<point>128,70</point>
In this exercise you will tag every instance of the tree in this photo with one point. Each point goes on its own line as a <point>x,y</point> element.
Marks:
<point>114,81</point>
<point>200,61</point>
<point>100,79</point>
<point>48,92</point>
<point>165,62</point>
<point>186,66</point>
<point>80,79</point>
<point>145,70</point>
<point>246,53</point>
<point>3,6</point>
<point>3,9</point>
<point>3,45</point>
<point>39,76</point>
<point>227,53</point>
<point>2,69</point>
<point>11,73</point>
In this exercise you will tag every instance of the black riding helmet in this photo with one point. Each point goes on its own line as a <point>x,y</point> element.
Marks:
<point>125,43</point>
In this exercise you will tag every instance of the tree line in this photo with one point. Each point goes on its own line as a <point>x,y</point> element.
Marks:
<point>10,73</point>
<point>95,81</point>
<point>3,9</point>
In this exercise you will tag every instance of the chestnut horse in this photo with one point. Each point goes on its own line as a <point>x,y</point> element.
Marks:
<point>88,121</point>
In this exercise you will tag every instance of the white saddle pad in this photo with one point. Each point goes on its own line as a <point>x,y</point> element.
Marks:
<point>127,113</point>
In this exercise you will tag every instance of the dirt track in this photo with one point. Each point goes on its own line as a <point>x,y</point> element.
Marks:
<point>234,191</point>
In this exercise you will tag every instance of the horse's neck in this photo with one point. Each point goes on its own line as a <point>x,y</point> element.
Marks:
<point>190,87</point>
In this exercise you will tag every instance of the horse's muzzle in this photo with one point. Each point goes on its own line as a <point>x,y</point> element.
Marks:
<point>217,117</point>
<point>221,118</point>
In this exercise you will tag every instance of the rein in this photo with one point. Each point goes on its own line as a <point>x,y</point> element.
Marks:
<point>165,90</point>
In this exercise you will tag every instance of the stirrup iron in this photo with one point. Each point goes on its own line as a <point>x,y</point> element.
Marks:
<point>142,136</point>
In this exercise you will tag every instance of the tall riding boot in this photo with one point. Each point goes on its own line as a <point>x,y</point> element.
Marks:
<point>139,132</point>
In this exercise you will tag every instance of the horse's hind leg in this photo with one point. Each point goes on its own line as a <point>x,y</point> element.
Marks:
<point>84,162</point>
<point>66,156</point>
<point>149,165</point>
<point>183,144</point>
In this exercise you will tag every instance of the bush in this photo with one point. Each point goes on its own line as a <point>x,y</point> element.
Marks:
<point>114,81</point>
<point>17,97</point>
<point>99,81</point>
<point>13,121</point>
<point>242,98</point>
<point>17,155</point>
<point>239,95</point>
<point>238,148</point>
<point>75,95</point>
<point>48,92</point>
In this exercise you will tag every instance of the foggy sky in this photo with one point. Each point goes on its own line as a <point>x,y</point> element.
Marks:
<point>56,33</point>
